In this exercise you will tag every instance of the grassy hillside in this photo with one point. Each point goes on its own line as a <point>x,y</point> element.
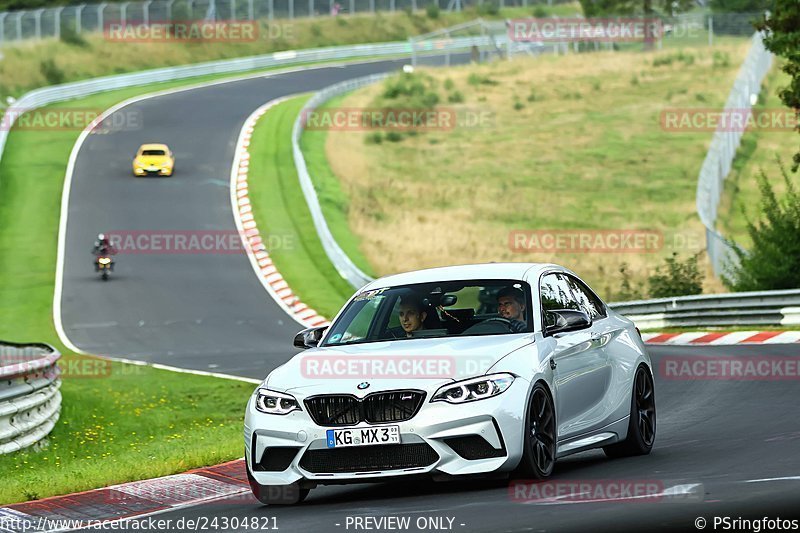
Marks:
<point>572,143</point>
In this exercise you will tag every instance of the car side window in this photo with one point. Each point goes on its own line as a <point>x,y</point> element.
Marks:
<point>587,299</point>
<point>556,294</point>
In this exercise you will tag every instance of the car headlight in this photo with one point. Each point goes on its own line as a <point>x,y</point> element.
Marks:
<point>166,164</point>
<point>474,389</point>
<point>275,403</point>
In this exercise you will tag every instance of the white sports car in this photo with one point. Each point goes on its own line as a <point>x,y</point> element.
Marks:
<point>475,369</point>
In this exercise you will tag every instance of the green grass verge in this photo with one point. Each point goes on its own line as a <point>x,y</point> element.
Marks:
<point>280,209</point>
<point>131,422</point>
<point>335,202</point>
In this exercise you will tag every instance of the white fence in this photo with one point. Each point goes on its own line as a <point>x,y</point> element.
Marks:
<point>30,401</point>
<point>719,159</point>
<point>52,22</point>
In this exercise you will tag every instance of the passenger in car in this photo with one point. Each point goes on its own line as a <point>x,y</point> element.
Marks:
<point>511,306</point>
<point>412,314</point>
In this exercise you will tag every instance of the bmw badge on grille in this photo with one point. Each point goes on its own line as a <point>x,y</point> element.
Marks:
<point>363,385</point>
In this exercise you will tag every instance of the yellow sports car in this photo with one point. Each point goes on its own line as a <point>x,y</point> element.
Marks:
<point>153,160</point>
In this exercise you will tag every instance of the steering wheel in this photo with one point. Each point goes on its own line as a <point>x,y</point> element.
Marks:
<point>506,322</point>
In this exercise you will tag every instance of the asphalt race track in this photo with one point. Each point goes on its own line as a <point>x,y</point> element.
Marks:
<point>713,437</point>
<point>203,311</point>
<point>720,443</point>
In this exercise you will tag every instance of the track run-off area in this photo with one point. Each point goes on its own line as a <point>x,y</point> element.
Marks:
<point>725,448</point>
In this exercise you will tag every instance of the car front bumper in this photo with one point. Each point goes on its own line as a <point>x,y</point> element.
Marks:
<point>438,426</point>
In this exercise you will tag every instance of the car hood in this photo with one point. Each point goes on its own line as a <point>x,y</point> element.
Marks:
<point>390,365</point>
<point>152,160</point>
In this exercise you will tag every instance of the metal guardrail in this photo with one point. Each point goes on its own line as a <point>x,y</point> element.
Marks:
<point>734,309</point>
<point>340,260</point>
<point>30,401</point>
<point>67,91</point>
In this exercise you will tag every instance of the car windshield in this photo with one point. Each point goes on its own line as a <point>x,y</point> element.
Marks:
<point>438,309</point>
<point>153,152</point>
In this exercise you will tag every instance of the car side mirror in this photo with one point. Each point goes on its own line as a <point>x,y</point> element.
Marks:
<point>563,320</point>
<point>309,338</point>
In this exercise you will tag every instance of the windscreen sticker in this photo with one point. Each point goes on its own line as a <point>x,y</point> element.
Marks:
<point>369,295</point>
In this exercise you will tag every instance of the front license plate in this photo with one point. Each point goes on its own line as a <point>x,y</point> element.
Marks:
<point>339,438</point>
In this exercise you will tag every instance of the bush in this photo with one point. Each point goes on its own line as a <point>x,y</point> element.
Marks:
<point>455,97</point>
<point>375,137</point>
<point>432,10</point>
<point>394,136</point>
<point>449,85</point>
<point>480,79</point>
<point>773,261</point>
<point>721,59</point>
<point>626,291</point>
<point>51,72</point>
<point>532,97</point>
<point>518,105</point>
<point>681,57</point>
<point>70,36</point>
<point>679,279</point>
<point>488,9</point>
<point>539,12</point>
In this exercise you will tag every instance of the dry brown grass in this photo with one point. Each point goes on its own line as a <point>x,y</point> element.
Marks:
<point>595,161</point>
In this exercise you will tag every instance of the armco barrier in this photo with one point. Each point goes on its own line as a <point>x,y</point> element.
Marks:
<point>68,91</point>
<point>765,308</point>
<point>30,401</point>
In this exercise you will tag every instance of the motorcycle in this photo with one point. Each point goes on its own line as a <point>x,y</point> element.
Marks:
<point>104,265</point>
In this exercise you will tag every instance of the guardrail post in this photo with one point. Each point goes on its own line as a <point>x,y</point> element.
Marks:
<point>19,25</point>
<point>56,22</point>
<point>79,18</point>
<point>291,9</point>
<point>251,14</point>
<point>233,10</point>
<point>372,6</point>
<point>169,10</point>
<point>352,6</point>
<point>710,31</point>
<point>391,6</point>
<point>413,5</point>
<point>123,13</point>
<point>146,12</point>
<point>3,27</point>
<point>310,8</point>
<point>190,5</point>
<point>271,8</point>
<point>37,23</point>
<point>100,8</point>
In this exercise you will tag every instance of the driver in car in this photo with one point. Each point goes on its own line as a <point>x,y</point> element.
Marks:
<point>412,315</point>
<point>511,306</point>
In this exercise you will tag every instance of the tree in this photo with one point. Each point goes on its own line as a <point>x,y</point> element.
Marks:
<point>783,38</point>
<point>773,261</point>
<point>741,6</point>
<point>598,8</point>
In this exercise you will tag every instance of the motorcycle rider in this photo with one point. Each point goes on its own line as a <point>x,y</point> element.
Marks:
<point>103,248</point>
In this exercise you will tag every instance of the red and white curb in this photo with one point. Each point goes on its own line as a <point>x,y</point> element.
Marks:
<point>137,499</point>
<point>703,338</point>
<point>271,279</point>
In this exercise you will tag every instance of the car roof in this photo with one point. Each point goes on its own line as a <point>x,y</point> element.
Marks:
<point>154,146</point>
<point>515,271</point>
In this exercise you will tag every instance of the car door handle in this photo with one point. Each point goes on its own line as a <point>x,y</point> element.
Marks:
<point>553,364</point>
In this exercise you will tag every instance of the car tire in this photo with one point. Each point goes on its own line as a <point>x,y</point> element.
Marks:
<point>540,430</point>
<point>276,494</point>
<point>642,422</point>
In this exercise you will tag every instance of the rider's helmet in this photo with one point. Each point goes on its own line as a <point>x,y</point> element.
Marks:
<point>102,238</point>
